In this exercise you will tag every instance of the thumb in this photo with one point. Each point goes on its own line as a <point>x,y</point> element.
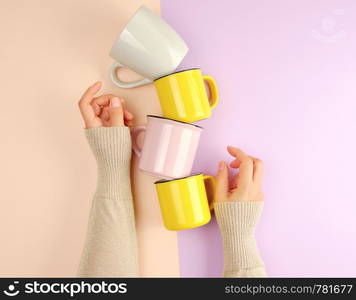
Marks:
<point>222,182</point>
<point>116,112</point>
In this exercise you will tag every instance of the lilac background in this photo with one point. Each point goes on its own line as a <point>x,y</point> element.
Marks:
<point>287,77</point>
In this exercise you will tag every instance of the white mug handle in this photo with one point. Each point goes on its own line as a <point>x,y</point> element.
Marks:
<point>135,133</point>
<point>125,85</point>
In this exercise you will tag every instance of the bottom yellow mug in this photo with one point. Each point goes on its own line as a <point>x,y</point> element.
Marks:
<point>184,201</point>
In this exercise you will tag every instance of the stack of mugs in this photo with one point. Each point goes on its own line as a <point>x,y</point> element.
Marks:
<point>150,47</point>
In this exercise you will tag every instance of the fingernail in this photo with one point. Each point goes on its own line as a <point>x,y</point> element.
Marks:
<point>115,102</point>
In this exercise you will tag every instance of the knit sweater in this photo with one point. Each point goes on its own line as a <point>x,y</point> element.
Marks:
<point>110,248</point>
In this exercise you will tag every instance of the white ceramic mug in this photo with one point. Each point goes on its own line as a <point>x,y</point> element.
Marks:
<point>148,46</point>
<point>169,147</point>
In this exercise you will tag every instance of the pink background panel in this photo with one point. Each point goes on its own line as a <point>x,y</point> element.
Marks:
<point>287,77</point>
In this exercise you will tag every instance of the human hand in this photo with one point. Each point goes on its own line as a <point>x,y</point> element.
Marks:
<point>244,186</point>
<point>106,110</point>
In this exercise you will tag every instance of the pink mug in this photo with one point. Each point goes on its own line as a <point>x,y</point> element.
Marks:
<point>169,147</point>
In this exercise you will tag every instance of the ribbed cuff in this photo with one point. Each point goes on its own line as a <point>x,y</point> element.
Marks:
<point>237,222</point>
<point>110,145</point>
<point>112,150</point>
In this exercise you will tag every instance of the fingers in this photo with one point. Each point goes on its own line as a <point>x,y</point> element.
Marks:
<point>258,170</point>
<point>234,182</point>
<point>222,182</point>
<point>86,109</point>
<point>102,100</point>
<point>245,166</point>
<point>128,116</point>
<point>108,109</point>
<point>235,164</point>
<point>236,152</point>
<point>88,95</point>
<point>101,103</point>
<point>128,122</point>
<point>104,115</point>
<point>116,112</point>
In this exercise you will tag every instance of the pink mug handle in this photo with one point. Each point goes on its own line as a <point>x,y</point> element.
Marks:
<point>134,134</point>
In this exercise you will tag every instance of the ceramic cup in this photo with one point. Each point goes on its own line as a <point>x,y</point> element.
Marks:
<point>148,46</point>
<point>183,96</point>
<point>169,147</point>
<point>184,202</point>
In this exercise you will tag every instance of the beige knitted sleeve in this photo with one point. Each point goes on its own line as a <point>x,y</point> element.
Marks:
<point>110,248</point>
<point>237,222</point>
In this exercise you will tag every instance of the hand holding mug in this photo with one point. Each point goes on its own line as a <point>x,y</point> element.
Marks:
<point>103,111</point>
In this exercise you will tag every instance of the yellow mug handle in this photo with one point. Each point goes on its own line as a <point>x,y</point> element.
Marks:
<point>211,179</point>
<point>213,88</point>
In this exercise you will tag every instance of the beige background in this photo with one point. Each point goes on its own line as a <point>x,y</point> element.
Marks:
<point>50,52</point>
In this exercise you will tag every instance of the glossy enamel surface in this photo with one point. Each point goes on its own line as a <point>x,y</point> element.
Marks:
<point>183,203</point>
<point>183,96</point>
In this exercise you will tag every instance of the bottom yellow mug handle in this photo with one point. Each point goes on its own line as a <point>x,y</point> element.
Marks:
<point>211,179</point>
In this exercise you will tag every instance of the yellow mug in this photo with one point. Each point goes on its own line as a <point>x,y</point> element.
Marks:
<point>184,201</point>
<point>183,96</point>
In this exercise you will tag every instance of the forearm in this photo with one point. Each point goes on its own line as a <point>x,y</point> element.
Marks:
<point>237,222</point>
<point>110,248</point>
